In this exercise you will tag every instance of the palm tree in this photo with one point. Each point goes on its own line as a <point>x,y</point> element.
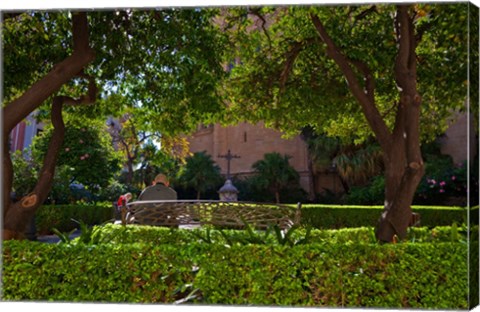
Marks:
<point>200,172</point>
<point>355,164</point>
<point>275,173</point>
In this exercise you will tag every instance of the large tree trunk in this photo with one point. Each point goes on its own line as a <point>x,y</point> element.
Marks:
<point>404,166</point>
<point>17,215</point>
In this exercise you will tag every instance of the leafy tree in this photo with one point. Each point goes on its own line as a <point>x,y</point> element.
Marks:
<point>355,72</point>
<point>355,163</point>
<point>275,173</point>
<point>166,62</point>
<point>168,158</point>
<point>25,173</point>
<point>200,172</point>
<point>87,152</point>
<point>131,140</point>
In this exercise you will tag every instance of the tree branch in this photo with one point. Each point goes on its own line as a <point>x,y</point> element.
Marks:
<point>291,56</point>
<point>20,108</point>
<point>365,13</point>
<point>256,12</point>
<point>31,99</point>
<point>365,100</point>
<point>369,81</point>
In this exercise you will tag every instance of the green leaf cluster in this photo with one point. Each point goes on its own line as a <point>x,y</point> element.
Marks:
<point>426,275</point>
<point>284,76</point>
<point>60,217</point>
<point>200,173</point>
<point>117,234</point>
<point>87,153</point>
<point>335,217</point>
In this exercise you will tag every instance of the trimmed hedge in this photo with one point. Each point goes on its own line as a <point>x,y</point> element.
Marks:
<point>60,217</point>
<point>336,216</point>
<point>132,234</point>
<point>317,216</point>
<point>426,275</point>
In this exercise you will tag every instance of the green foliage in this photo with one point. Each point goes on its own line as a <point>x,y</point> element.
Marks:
<point>87,152</point>
<point>336,216</point>
<point>275,174</point>
<point>60,217</point>
<point>420,275</point>
<point>286,78</point>
<point>371,194</point>
<point>444,180</point>
<point>25,172</point>
<point>166,59</point>
<point>117,234</point>
<point>444,183</point>
<point>201,173</point>
<point>251,189</point>
<point>114,190</point>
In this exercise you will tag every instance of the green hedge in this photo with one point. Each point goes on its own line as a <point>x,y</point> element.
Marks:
<point>421,275</point>
<point>131,234</point>
<point>335,217</point>
<point>48,217</point>
<point>317,216</point>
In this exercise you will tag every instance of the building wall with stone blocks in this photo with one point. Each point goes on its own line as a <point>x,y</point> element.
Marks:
<point>250,142</point>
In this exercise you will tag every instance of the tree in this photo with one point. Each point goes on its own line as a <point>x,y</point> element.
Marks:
<point>275,173</point>
<point>200,172</point>
<point>354,72</point>
<point>130,140</point>
<point>164,61</point>
<point>167,159</point>
<point>86,151</point>
<point>355,164</point>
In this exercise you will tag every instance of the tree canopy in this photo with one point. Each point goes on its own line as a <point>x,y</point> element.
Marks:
<point>391,72</point>
<point>164,63</point>
<point>285,76</point>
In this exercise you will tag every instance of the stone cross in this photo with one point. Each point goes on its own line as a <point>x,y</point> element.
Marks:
<point>229,157</point>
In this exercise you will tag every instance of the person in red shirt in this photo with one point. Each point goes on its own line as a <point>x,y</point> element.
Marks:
<point>124,198</point>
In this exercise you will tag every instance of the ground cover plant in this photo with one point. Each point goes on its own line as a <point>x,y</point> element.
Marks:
<point>329,268</point>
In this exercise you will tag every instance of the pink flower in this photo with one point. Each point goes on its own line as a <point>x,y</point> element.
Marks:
<point>454,178</point>
<point>82,157</point>
<point>81,141</point>
<point>442,183</point>
<point>442,191</point>
<point>86,155</point>
<point>67,149</point>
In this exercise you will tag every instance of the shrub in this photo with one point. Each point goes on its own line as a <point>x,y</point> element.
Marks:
<point>250,189</point>
<point>336,216</point>
<point>118,234</point>
<point>372,194</point>
<point>365,275</point>
<point>60,217</point>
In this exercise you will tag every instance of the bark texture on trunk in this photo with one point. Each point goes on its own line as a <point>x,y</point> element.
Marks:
<point>404,166</point>
<point>17,215</point>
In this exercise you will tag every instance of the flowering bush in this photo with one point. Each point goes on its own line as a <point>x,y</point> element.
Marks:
<point>443,183</point>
